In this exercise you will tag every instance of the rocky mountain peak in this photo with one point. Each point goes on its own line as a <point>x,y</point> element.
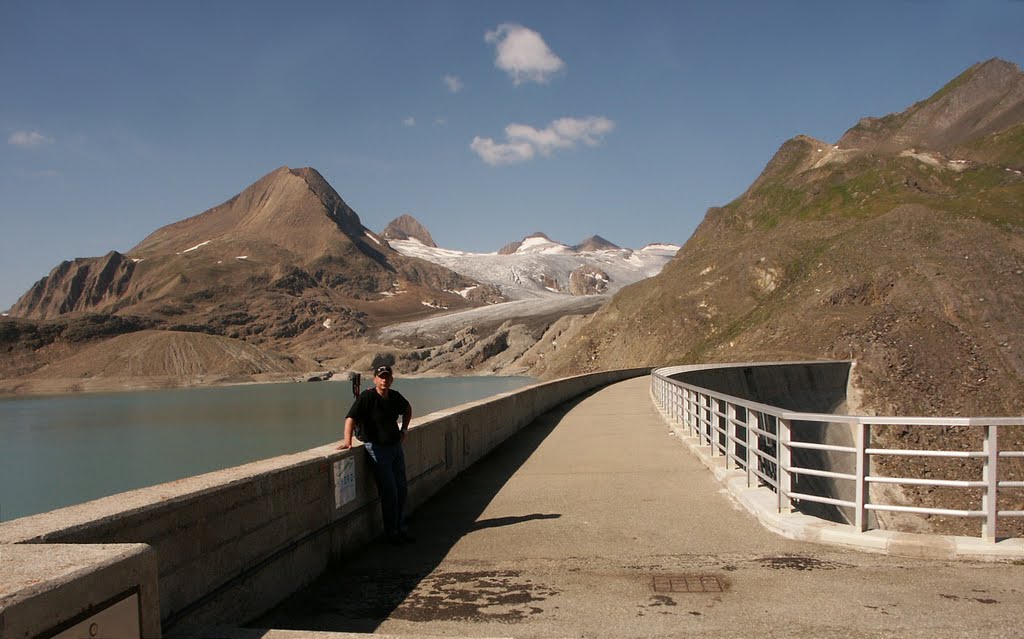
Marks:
<point>794,156</point>
<point>595,243</point>
<point>291,209</point>
<point>987,97</point>
<point>406,227</point>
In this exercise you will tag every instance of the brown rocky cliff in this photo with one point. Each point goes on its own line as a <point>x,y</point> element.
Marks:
<point>77,285</point>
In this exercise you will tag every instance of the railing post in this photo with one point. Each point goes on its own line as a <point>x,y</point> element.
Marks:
<point>679,395</point>
<point>688,410</point>
<point>990,475</point>
<point>730,444</point>
<point>702,400</point>
<point>782,466</point>
<point>753,459</point>
<point>670,401</point>
<point>862,442</point>
<point>684,413</point>
<point>680,399</point>
<point>684,419</point>
<point>709,423</point>
<point>698,412</point>
<point>695,429</point>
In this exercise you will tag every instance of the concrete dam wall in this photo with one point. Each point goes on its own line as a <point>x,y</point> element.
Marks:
<point>806,387</point>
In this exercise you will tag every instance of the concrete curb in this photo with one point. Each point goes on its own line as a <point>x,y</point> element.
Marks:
<point>762,503</point>
<point>255,633</point>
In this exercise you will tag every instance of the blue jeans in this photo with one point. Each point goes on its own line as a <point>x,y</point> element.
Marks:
<point>388,462</point>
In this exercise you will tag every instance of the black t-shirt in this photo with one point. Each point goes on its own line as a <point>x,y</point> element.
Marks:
<point>376,417</point>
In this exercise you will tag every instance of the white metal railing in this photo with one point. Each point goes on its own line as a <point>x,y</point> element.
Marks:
<point>757,438</point>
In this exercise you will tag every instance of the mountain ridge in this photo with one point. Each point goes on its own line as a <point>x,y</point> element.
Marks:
<point>985,98</point>
<point>284,265</point>
<point>813,272</point>
<point>540,267</point>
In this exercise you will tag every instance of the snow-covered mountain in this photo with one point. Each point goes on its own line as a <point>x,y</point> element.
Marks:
<point>538,267</point>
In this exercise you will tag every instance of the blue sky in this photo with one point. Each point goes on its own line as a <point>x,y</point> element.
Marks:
<point>487,121</point>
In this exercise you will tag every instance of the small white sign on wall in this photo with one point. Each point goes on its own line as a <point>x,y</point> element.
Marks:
<point>344,481</point>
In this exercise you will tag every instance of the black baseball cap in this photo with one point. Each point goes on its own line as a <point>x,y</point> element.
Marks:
<point>383,371</point>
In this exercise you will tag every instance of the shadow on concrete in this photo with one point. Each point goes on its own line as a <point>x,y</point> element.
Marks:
<point>497,522</point>
<point>362,590</point>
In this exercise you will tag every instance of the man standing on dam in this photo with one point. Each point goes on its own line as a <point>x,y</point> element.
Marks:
<point>373,418</point>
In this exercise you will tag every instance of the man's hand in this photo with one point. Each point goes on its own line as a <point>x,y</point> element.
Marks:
<point>350,429</point>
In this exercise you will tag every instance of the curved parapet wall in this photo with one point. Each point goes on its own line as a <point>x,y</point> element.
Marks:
<point>780,449</point>
<point>221,548</point>
<point>807,387</point>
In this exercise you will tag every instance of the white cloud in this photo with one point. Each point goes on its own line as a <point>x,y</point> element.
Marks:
<point>409,121</point>
<point>496,153</point>
<point>453,83</point>
<point>524,141</point>
<point>28,139</point>
<point>523,54</point>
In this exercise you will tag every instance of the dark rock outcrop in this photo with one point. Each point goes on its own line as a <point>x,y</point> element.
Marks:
<point>588,280</point>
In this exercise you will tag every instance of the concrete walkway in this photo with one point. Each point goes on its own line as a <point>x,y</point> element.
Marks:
<point>596,521</point>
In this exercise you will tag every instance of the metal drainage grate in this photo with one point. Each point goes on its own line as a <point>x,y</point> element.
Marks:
<point>688,583</point>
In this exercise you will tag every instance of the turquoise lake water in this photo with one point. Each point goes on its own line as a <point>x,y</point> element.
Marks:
<point>57,451</point>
